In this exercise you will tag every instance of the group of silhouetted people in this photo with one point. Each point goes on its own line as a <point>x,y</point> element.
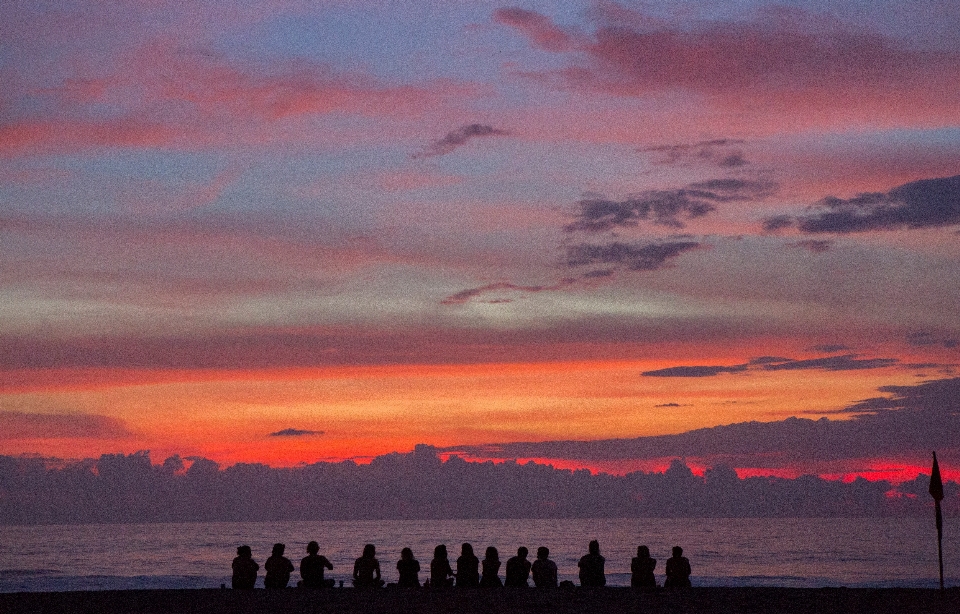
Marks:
<point>471,572</point>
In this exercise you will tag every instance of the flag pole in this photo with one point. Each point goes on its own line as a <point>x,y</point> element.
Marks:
<point>936,491</point>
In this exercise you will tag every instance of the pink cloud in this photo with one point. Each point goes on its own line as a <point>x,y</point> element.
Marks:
<point>152,197</point>
<point>57,135</point>
<point>783,65</point>
<point>164,96</point>
<point>541,31</point>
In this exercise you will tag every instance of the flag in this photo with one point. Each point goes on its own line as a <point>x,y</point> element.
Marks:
<point>936,483</point>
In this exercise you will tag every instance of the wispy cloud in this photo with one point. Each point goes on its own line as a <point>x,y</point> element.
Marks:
<point>669,208</point>
<point>632,257</point>
<point>459,137</point>
<point>24,425</point>
<point>846,362</point>
<point>720,152</point>
<point>466,296</point>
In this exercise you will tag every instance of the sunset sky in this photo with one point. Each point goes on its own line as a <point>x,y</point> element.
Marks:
<point>291,231</point>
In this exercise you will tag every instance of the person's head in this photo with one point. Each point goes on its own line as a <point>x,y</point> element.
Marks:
<point>466,550</point>
<point>278,549</point>
<point>643,552</point>
<point>244,551</point>
<point>313,548</point>
<point>543,552</point>
<point>406,554</point>
<point>369,551</point>
<point>522,552</point>
<point>492,554</point>
<point>440,552</point>
<point>594,547</point>
<point>677,551</point>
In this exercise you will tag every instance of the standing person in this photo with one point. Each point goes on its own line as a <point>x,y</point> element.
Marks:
<point>642,567</point>
<point>518,569</point>
<point>278,568</point>
<point>491,565</point>
<point>544,570</point>
<point>312,566</point>
<point>408,568</point>
<point>468,565</point>
<point>678,570</point>
<point>441,574</point>
<point>591,566</point>
<point>244,569</point>
<point>366,569</point>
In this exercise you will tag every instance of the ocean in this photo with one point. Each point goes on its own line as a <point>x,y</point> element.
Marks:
<point>791,552</point>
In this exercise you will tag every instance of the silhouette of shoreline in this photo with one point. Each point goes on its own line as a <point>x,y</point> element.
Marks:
<point>417,601</point>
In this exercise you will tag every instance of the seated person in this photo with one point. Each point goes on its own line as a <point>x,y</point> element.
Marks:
<point>544,570</point>
<point>678,570</point>
<point>366,569</point>
<point>312,566</point>
<point>441,574</point>
<point>244,569</point>
<point>491,565</point>
<point>518,569</point>
<point>408,568</point>
<point>642,567</point>
<point>468,568</point>
<point>278,568</point>
<point>591,566</point>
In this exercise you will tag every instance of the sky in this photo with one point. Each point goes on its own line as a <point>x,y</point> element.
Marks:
<point>287,231</point>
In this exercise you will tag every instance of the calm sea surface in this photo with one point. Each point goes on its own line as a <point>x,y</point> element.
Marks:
<point>733,552</point>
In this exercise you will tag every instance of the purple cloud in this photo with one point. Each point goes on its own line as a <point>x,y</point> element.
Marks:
<point>457,138</point>
<point>928,203</point>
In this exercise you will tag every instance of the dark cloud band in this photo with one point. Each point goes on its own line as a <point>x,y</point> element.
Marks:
<point>928,203</point>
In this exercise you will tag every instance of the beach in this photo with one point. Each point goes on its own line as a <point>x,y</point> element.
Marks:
<point>467,601</point>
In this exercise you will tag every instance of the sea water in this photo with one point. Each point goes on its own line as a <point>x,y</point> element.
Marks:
<point>793,552</point>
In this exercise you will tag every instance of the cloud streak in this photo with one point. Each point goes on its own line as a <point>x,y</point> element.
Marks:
<point>721,152</point>
<point>195,98</point>
<point>291,432</point>
<point>928,203</point>
<point>669,208</point>
<point>23,425</point>
<point>466,296</point>
<point>630,256</point>
<point>846,362</point>
<point>459,137</point>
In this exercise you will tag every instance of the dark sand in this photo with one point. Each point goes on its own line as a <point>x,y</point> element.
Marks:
<point>469,601</point>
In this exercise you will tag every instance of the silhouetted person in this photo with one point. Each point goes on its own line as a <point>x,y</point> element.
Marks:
<point>678,570</point>
<point>312,566</point>
<point>278,569</point>
<point>544,570</point>
<point>491,565</point>
<point>591,566</point>
<point>244,569</point>
<point>441,574</point>
<point>518,569</point>
<point>468,568</point>
<point>408,568</point>
<point>642,567</point>
<point>366,569</point>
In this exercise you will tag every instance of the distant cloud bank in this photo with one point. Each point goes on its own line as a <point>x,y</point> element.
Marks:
<point>295,433</point>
